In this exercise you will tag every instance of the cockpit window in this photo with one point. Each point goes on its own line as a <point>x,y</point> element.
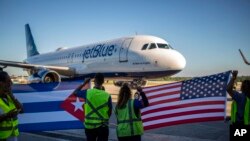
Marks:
<point>144,47</point>
<point>165,46</point>
<point>152,46</point>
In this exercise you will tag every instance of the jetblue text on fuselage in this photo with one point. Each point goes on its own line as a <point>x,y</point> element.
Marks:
<point>100,50</point>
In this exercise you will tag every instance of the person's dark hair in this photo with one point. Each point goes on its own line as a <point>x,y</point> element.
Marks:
<point>245,87</point>
<point>124,96</point>
<point>99,79</point>
<point>3,76</point>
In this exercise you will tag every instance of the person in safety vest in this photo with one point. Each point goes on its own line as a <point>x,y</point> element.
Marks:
<point>240,108</point>
<point>129,123</point>
<point>97,109</point>
<point>10,107</point>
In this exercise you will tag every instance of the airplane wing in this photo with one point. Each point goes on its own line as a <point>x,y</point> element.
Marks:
<point>5,63</point>
<point>244,58</point>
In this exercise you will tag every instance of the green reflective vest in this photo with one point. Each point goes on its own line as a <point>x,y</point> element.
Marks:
<point>233,112</point>
<point>96,108</point>
<point>128,123</point>
<point>246,112</point>
<point>8,127</point>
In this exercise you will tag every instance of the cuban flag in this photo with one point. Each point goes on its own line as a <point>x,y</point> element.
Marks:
<point>50,106</point>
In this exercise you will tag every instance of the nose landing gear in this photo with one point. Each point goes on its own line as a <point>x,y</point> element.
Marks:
<point>133,84</point>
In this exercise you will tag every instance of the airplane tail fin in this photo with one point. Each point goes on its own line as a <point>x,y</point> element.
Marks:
<point>30,44</point>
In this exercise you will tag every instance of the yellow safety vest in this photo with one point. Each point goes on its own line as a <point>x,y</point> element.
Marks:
<point>246,112</point>
<point>96,108</point>
<point>233,112</point>
<point>8,127</point>
<point>128,123</point>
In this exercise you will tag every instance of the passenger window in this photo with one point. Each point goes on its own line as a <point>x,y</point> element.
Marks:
<point>144,47</point>
<point>152,46</point>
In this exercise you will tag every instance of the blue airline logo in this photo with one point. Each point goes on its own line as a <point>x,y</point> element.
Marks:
<point>100,50</point>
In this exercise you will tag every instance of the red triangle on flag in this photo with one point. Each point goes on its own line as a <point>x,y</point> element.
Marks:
<point>75,105</point>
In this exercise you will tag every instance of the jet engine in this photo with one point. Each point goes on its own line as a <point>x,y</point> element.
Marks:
<point>44,76</point>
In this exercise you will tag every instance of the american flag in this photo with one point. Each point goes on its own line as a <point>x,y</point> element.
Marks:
<point>196,100</point>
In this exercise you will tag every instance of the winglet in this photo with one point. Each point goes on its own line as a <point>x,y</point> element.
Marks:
<point>30,44</point>
<point>244,58</point>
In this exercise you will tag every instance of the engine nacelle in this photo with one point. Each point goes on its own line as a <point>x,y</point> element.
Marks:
<point>44,76</point>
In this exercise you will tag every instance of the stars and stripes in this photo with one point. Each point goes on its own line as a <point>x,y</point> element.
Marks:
<point>197,100</point>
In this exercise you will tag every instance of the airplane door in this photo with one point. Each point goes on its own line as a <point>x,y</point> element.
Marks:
<point>123,54</point>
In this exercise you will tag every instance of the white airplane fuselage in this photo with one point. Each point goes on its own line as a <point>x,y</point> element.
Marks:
<point>121,57</point>
<point>137,57</point>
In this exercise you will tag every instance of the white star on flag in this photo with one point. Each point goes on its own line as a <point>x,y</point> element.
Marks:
<point>78,104</point>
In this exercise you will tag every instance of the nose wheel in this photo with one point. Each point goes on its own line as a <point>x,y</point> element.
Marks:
<point>138,83</point>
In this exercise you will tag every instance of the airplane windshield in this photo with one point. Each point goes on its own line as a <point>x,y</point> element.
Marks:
<point>144,47</point>
<point>152,46</point>
<point>165,46</point>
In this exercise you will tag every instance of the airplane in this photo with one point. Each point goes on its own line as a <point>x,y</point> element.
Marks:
<point>134,58</point>
<point>244,58</point>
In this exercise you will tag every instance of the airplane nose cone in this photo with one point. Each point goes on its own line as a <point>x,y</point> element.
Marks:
<point>180,61</point>
<point>169,59</point>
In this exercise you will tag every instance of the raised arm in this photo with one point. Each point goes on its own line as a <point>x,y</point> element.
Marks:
<point>81,86</point>
<point>143,96</point>
<point>231,83</point>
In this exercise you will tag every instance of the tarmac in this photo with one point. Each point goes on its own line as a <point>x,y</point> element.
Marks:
<point>208,131</point>
<point>205,131</point>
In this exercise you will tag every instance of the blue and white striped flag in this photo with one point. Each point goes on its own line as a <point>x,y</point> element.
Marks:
<point>43,110</point>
